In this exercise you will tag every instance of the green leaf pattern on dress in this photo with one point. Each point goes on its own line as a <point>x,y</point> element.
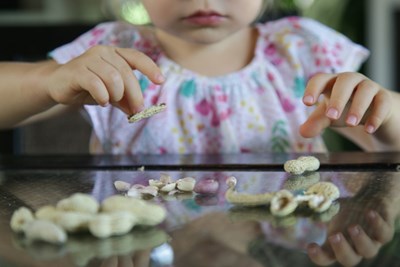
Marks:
<point>279,140</point>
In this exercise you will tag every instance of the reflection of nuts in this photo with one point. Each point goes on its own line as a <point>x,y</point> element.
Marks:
<point>301,182</point>
<point>283,203</point>
<point>45,231</point>
<point>146,213</point>
<point>20,218</point>
<point>156,183</point>
<point>122,186</point>
<point>141,191</point>
<point>326,189</point>
<point>168,187</point>
<point>329,213</point>
<point>186,184</point>
<point>206,187</point>
<point>301,164</point>
<point>73,221</point>
<point>245,199</point>
<point>165,178</point>
<point>47,213</point>
<point>109,224</point>
<point>319,197</point>
<point>320,205</point>
<point>79,202</point>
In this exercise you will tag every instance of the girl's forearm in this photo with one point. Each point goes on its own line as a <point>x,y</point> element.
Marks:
<point>23,91</point>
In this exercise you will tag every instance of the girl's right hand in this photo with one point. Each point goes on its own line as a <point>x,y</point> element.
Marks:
<point>103,75</point>
<point>356,233</point>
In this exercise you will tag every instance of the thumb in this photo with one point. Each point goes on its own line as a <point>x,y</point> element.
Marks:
<point>316,122</point>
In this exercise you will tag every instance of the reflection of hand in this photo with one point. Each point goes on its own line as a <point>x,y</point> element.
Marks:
<point>85,249</point>
<point>137,259</point>
<point>357,232</point>
<point>217,235</point>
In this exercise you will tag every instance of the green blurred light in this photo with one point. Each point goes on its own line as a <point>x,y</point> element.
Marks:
<point>135,13</point>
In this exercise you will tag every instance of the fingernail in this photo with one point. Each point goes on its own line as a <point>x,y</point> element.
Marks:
<point>370,129</point>
<point>308,99</point>
<point>352,120</point>
<point>312,250</point>
<point>372,214</point>
<point>354,231</point>
<point>332,113</point>
<point>335,239</point>
<point>160,78</point>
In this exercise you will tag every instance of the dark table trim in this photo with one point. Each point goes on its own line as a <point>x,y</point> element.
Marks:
<point>343,161</point>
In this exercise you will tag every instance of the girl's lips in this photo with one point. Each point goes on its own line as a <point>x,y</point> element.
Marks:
<point>204,18</point>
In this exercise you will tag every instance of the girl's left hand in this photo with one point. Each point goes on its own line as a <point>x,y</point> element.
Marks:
<point>349,99</point>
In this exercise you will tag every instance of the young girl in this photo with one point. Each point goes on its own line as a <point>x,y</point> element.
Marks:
<point>230,85</point>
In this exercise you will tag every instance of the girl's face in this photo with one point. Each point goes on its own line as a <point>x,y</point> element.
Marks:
<point>202,21</point>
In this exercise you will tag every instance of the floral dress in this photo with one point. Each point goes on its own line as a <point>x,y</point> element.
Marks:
<point>256,109</point>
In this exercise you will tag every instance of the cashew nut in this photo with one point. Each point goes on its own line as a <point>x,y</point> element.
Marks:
<point>141,191</point>
<point>168,187</point>
<point>146,213</point>
<point>122,186</point>
<point>47,213</point>
<point>20,218</point>
<point>42,230</point>
<point>109,224</point>
<point>186,184</point>
<point>79,202</point>
<point>73,221</point>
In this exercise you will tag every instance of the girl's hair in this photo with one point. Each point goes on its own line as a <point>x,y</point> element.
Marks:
<point>134,12</point>
<point>266,4</point>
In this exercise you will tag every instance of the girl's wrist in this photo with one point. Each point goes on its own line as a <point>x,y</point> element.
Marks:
<point>36,85</point>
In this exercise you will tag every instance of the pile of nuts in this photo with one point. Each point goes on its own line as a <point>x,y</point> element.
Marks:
<point>116,215</point>
<point>167,186</point>
<point>319,196</point>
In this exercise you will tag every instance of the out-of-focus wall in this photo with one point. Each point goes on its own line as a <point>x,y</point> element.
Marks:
<point>52,11</point>
<point>30,29</point>
<point>383,35</point>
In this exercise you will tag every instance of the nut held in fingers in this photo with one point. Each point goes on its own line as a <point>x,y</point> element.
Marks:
<point>148,112</point>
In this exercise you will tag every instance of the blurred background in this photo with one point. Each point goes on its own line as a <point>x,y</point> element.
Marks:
<point>32,28</point>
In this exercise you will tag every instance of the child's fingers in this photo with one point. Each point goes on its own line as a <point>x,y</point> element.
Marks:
<point>145,65</point>
<point>138,60</point>
<point>343,251</point>
<point>378,112</point>
<point>316,122</point>
<point>319,256</point>
<point>363,244</point>
<point>96,89</point>
<point>110,76</point>
<point>128,89</point>
<point>362,99</point>
<point>317,85</point>
<point>341,93</point>
<point>379,229</point>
